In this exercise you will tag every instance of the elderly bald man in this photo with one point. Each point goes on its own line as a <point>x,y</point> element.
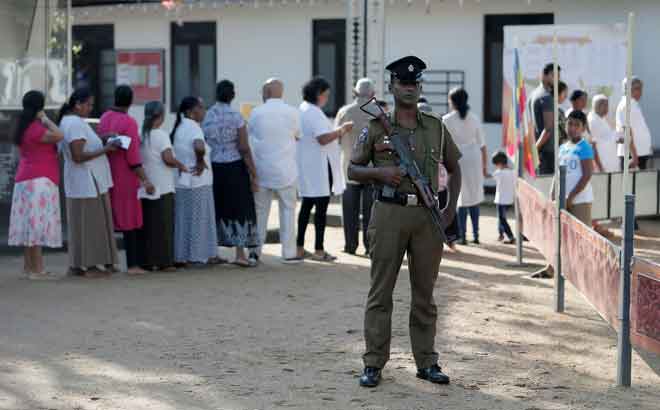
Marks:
<point>274,128</point>
<point>603,137</point>
<point>356,194</point>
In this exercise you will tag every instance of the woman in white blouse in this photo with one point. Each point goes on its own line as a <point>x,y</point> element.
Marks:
<point>468,134</point>
<point>603,136</point>
<point>195,234</point>
<point>87,180</point>
<point>319,165</point>
<point>156,238</point>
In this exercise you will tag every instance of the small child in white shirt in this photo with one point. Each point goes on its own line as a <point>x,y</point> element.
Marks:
<point>505,178</point>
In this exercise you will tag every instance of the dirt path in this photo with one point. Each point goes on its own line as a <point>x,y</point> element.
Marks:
<point>281,337</point>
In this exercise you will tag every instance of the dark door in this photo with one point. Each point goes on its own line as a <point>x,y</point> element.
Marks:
<point>94,63</point>
<point>193,62</point>
<point>329,60</point>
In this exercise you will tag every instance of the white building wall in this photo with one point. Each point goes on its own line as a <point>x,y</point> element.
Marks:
<point>254,44</point>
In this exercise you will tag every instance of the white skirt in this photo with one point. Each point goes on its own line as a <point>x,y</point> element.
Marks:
<point>472,177</point>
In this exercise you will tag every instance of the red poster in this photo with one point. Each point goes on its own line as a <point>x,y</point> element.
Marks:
<point>144,71</point>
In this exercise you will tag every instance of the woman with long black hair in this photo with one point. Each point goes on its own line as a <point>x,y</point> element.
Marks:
<point>87,180</point>
<point>467,132</point>
<point>156,238</point>
<point>195,235</point>
<point>35,219</point>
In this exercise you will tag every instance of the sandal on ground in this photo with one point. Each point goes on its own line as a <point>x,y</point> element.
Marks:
<point>306,254</point>
<point>244,263</point>
<point>75,272</point>
<point>217,261</point>
<point>43,276</point>
<point>170,268</point>
<point>111,269</point>
<point>325,257</point>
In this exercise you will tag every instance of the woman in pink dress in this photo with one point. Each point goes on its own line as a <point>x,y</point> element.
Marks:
<point>127,175</point>
<point>35,211</point>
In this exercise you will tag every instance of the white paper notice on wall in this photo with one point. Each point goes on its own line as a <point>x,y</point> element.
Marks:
<point>154,76</point>
<point>591,57</point>
<point>124,74</point>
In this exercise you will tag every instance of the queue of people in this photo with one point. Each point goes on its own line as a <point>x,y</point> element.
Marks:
<point>174,196</point>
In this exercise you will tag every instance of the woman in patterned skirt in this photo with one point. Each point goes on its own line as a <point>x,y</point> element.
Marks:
<point>235,177</point>
<point>35,210</point>
<point>194,222</point>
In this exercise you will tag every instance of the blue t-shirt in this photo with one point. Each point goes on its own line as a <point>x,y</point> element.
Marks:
<point>571,155</point>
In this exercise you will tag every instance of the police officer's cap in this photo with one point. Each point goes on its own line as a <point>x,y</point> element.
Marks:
<point>407,69</point>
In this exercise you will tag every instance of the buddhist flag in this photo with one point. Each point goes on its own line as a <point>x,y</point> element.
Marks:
<point>520,128</point>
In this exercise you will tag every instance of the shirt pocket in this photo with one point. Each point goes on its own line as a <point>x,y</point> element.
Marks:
<point>383,157</point>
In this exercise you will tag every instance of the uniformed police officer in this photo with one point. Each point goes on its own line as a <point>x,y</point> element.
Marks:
<point>398,225</point>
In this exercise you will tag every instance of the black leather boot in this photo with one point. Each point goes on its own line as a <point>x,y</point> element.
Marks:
<point>370,377</point>
<point>433,374</point>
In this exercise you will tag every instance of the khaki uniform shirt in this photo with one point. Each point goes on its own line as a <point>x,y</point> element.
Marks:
<point>351,112</point>
<point>431,143</point>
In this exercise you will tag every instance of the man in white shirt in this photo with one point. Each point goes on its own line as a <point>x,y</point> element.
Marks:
<point>603,137</point>
<point>274,128</point>
<point>641,148</point>
<point>355,193</point>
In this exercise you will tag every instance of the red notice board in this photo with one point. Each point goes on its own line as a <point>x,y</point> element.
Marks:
<point>144,71</point>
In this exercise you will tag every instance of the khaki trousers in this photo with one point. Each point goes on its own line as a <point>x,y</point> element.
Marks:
<point>582,212</point>
<point>393,231</point>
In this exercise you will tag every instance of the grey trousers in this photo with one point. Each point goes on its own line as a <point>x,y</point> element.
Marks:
<point>356,199</point>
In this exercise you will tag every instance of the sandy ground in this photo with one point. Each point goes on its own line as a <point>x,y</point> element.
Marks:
<point>282,337</point>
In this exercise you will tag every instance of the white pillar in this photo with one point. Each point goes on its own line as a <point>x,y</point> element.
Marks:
<point>355,43</point>
<point>376,44</point>
<point>69,48</point>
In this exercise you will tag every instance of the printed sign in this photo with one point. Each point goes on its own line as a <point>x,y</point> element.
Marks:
<point>144,71</point>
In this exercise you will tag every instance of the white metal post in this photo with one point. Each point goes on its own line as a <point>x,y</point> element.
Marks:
<point>69,47</point>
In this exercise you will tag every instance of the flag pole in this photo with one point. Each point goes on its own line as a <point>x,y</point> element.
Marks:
<point>519,170</point>
<point>558,181</point>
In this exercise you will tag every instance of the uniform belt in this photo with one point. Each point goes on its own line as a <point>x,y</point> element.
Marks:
<point>400,199</point>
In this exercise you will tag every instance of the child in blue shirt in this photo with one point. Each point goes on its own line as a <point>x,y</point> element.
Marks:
<point>578,155</point>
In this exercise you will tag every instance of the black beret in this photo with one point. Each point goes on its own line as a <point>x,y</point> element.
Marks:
<point>407,68</point>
